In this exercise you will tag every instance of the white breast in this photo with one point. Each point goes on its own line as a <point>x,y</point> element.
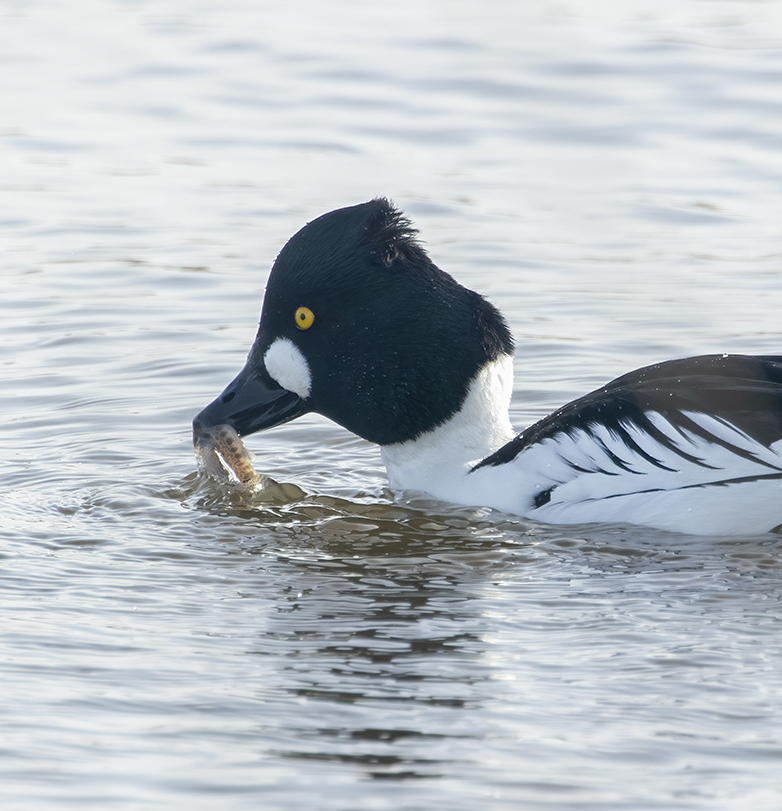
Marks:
<point>438,462</point>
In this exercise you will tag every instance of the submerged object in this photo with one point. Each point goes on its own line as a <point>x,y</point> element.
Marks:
<point>359,325</point>
<point>221,454</point>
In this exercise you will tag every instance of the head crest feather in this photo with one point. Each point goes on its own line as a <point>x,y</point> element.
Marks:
<point>391,235</point>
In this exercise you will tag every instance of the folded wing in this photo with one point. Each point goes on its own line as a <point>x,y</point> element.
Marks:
<point>692,445</point>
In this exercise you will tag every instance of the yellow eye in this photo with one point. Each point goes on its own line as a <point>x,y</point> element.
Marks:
<point>304,318</point>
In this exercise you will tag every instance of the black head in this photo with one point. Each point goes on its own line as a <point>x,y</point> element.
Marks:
<point>390,342</point>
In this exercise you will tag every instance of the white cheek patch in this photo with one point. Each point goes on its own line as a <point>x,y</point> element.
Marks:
<point>288,367</point>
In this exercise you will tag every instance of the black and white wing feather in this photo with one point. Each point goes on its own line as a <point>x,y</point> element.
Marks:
<point>692,445</point>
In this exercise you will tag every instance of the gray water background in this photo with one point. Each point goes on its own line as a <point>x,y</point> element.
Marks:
<point>609,174</point>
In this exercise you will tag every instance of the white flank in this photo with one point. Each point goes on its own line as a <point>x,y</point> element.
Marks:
<point>719,492</point>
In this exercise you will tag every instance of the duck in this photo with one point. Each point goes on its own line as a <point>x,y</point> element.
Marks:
<point>359,325</point>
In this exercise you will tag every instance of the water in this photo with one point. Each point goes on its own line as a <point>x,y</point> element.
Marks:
<point>610,176</point>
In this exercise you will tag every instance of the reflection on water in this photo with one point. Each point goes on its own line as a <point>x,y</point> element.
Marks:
<point>463,630</point>
<point>609,176</point>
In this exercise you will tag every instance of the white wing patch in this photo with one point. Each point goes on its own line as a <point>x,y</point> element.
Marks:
<point>716,474</point>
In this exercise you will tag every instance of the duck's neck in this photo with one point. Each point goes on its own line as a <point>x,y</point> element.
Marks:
<point>438,461</point>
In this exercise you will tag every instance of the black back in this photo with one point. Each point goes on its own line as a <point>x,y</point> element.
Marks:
<point>741,390</point>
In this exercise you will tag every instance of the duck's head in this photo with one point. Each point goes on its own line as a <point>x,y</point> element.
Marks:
<point>359,325</point>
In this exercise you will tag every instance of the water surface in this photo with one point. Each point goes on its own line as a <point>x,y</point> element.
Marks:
<point>609,177</point>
